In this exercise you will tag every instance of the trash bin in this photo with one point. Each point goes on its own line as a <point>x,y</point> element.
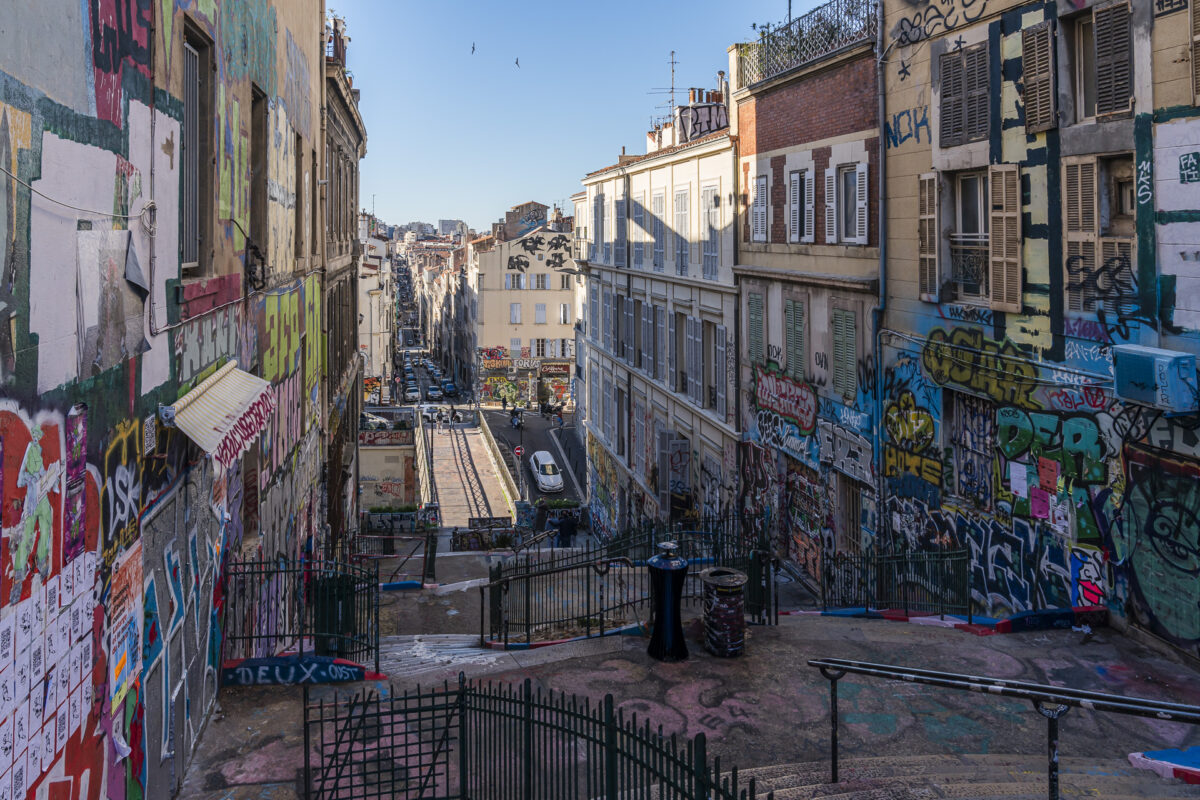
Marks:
<point>724,611</point>
<point>668,570</point>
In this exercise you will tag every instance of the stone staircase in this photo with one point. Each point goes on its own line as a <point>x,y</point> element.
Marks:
<point>978,777</point>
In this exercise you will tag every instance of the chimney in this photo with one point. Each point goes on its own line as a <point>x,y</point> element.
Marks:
<point>691,96</point>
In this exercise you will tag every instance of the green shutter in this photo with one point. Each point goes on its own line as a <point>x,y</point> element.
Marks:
<point>794,331</point>
<point>845,353</point>
<point>755,303</point>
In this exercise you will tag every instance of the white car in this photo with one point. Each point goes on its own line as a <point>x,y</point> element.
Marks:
<point>433,393</point>
<point>545,472</point>
<point>412,394</point>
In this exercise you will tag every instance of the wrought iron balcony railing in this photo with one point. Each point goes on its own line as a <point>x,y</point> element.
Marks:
<point>824,30</point>
<point>969,265</point>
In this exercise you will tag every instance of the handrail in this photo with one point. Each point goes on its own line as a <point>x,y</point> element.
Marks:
<point>1052,702</point>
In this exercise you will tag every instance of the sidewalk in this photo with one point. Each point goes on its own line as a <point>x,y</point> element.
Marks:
<point>576,452</point>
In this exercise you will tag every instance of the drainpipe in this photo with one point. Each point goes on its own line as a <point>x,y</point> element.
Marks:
<point>882,521</point>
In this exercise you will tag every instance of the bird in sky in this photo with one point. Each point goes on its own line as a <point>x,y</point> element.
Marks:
<point>472,48</point>
<point>518,63</point>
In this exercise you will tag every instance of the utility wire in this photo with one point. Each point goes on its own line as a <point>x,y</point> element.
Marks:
<point>145,215</point>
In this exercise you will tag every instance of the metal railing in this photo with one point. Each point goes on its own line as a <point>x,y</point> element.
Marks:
<point>323,607</point>
<point>936,582</point>
<point>493,742</point>
<point>969,265</point>
<point>1052,702</point>
<point>823,31</point>
<point>550,594</point>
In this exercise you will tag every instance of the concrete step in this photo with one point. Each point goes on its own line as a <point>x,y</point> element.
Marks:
<point>963,776</point>
<point>403,656</point>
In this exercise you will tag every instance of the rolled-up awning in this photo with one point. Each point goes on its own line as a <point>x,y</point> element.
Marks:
<point>225,413</point>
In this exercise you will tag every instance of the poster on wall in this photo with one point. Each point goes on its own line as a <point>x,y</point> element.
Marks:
<point>125,636</point>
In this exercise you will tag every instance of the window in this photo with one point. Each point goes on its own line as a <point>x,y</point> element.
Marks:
<point>800,201</point>
<point>196,155</point>
<point>313,204</point>
<point>539,314</point>
<point>971,427</point>
<point>660,343</point>
<point>1004,243</point>
<point>969,242</point>
<point>607,220</point>
<point>514,348</point>
<point>693,359</point>
<point>597,225</point>
<point>258,168</point>
<point>758,212</point>
<point>607,318</point>
<point>964,96</point>
<point>1037,67</point>
<point>564,282</point>
<point>657,210</point>
<point>928,238</point>
<point>541,281</point>
<point>594,406</point>
<point>720,370</point>
<point>645,353</point>
<point>1103,62</point>
<point>619,255</point>
<point>1099,232</point>
<point>639,231</point>
<point>299,201</point>
<point>848,186</point>
<point>564,314</point>
<point>794,337</point>
<point>594,311</point>
<point>846,204</point>
<point>681,231</point>
<point>1195,12</point>
<point>849,515</point>
<point>754,321</point>
<point>845,353</point>
<point>710,204</point>
<point>514,313</point>
<point>539,348</point>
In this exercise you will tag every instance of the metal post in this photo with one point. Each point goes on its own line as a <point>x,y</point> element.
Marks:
<point>700,767</point>
<point>1052,713</point>
<point>462,732</point>
<point>375,586</point>
<point>833,675</point>
<point>610,749</point>
<point>307,750</point>
<point>528,740</point>
<point>528,631</point>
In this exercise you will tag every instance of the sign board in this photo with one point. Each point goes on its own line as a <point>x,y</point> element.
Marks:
<point>489,522</point>
<point>518,451</point>
<point>556,369</point>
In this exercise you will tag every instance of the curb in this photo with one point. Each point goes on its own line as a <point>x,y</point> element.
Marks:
<point>1183,765</point>
<point>1047,619</point>
<point>636,629</point>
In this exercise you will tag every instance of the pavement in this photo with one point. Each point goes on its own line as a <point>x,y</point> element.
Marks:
<point>467,482</point>
<point>538,434</point>
<point>764,708</point>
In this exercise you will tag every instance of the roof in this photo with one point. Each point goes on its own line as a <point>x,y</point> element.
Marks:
<point>712,137</point>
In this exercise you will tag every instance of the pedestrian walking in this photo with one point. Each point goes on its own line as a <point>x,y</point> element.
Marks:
<point>503,403</point>
<point>559,419</point>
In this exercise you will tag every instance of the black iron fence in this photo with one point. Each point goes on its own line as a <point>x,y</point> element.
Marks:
<point>323,607</point>
<point>548,595</point>
<point>826,29</point>
<point>1051,702</point>
<point>935,582</point>
<point>485,742</point>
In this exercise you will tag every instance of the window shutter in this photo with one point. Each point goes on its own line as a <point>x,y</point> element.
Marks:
<point>1114,70</point>
<point>1117,257</point>
<point>1004,244</point>
<point>597,224</point>
<point>755,322</point>
<point>672,355</point>
<point>656,211</point>
<point>793,320</point>
<point>759,213</point>
<point>619,255</point>
<point>720,371</point>
<point>594,324</point>
<point>1079,179</point>
<point>1195,12</point>
<point>688,341</point>
<point>952,130</point>
<point>845,353</point>
<point>1037,65</point>
<point>794,207</point>
<point>660,344</point>
<point>928,237</point>
<point>629,318</point>
<point>976,89</point>
<point>608,320</point>
<point>639,231</point>
<point>831,216</point>
<point>189,234</point>
<point>861,219</point>
<point>809,195</point>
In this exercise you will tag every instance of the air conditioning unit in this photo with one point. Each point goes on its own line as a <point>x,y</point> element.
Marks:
<point>1148,376</point>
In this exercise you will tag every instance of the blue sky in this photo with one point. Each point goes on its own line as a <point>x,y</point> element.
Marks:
<point>455,135</point>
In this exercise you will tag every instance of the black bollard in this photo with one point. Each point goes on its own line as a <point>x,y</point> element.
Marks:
<point>668,570</point>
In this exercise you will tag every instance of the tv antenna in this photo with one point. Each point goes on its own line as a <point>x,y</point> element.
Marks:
<point>667,91</point>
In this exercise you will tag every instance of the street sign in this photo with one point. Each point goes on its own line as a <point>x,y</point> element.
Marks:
<point>518,451</point>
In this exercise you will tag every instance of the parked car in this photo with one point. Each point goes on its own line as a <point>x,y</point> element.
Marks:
<point>430,412</point>
<point>433,393</point>
<point>412,394</point>
<point>371,422</point>
<point>449,389</point>
<point>545,472</point>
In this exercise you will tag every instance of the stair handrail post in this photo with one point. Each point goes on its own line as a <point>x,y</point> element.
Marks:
<point>833,675</point>
<point>463,733</point>
<point>527,729</point>
<point>1052,712</point>
<point>610,749</point>
<point>701,784</point>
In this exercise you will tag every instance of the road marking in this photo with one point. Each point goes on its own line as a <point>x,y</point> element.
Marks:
<point>569,469</point>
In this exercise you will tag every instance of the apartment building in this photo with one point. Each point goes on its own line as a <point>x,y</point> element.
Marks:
<point>1038,366</point>
<point>808,268</point>
<point>661,303</point>
<point>521,287</point>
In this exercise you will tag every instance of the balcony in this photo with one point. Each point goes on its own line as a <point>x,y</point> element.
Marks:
<point>969,265</point>
<point>826,29</point>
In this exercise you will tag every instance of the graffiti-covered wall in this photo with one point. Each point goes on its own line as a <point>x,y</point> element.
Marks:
<point>116,527</point>
<point>1010,428</point>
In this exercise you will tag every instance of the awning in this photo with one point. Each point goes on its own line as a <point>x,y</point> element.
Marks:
<point>225,413</point>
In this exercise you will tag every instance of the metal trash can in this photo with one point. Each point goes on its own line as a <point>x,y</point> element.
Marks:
<point>668,570</point>
<point>724,611</point>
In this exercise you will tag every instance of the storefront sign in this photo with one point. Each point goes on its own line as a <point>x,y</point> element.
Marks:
<point>497,363</point>
<point>526,363</point>
<point>556,369</point>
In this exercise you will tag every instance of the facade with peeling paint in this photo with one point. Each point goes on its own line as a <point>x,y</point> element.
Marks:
<point>163,214</point>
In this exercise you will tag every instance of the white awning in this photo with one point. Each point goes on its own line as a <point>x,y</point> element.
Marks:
<point>225,413</point>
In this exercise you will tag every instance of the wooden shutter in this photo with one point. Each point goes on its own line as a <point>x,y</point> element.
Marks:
<point>630,321</point>
<point>189,234</point>
<point>672,355</point>
<point>928,238</point>
<point>619,255</point>
<point>1079,181</point>
<point>793,322</point>
<point>720,371</point>
<point>1037,67</point>
<point>831,216</point>
<point>656,212</point>
<point>845,353</point>
<point>759,217</point>
<point>608,321</point>
<point>689,355</point>
<point>1004,243</point>
<point>953,99</point>
<point>1195,12</point>
<point>976,87</point>
<point>1114,68</point>
<point>660,350</point>
<point>809,205</point>
<point>1116,255</point>
<point>862,204</point>
<point>597,224</point>
<point>794,207</point>
<point>754,320</point>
